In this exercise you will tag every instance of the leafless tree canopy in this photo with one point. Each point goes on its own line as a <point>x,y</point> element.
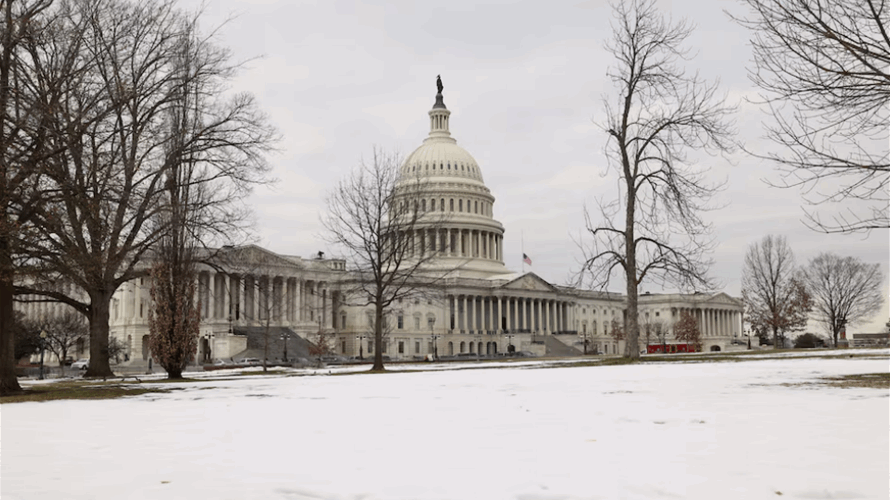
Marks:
<point>775,297</point>
<point>143,91</point>
<point>375,217</point>
<point>824,67</point>
<point>654,231</point>
<point>64,333</point>
<point>845,290</point>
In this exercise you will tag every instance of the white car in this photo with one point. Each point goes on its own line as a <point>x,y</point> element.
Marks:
<point>81,364</point>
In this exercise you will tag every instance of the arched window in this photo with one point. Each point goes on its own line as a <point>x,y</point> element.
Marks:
<point>452,204</point>
<point>477,207</point>
<point>442,204</point>
<point>460,205</point>
<point>433,205</point>
<point>423,205</point>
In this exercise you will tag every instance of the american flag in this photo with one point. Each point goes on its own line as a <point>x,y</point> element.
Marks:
<point>526,259</point>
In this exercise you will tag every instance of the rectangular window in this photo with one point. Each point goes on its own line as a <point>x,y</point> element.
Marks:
<point>417,323</point>
<point>370,347</point>
<point>343,347</point>
<point>416,347</point>
<point>401,347</point>
<point>401,322</point>
<point>384,347</point>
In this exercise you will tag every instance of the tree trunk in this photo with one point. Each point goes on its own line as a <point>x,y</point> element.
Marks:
<point>99,316</point>
<point>9,384</point>
<point>378,338</point>
<point>775,337</point>
<point>631,328</point>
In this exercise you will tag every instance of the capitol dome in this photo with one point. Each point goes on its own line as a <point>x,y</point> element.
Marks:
<point>467,238</point>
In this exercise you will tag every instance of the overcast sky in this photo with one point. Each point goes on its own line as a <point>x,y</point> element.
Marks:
<point>524,82</point>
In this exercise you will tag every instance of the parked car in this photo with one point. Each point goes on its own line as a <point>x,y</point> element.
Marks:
<point>81,364</point>
<point>526,354</point>
<point>251,361</point>
<point>220,362</point>
<point>333,358</point>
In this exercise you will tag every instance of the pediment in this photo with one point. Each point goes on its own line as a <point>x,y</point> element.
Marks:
<point>529,281</point>
<point>253,255</point>
<point>722,298</point>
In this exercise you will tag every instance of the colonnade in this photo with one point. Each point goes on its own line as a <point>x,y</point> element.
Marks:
<point>454,242</point>
<point>715,322</point>
<point>496,314</point>
<point>246,298</point>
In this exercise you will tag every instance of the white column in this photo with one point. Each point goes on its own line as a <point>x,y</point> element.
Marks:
<point>547,305</point>
<point>211,296</point>
<point>137,300</point>
<point>255,301</point>
<point>500,322</point>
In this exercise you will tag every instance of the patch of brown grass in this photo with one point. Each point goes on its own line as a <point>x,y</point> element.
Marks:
<point>79,390</point>
<point>869,380</point>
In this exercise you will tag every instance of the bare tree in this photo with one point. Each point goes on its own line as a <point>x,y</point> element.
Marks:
<point>375,216</point>
<point>845,291</point>
<point>654,230</point>
<point>775,297</point>
<point>65,332</point>
<point>652,329</point>
<point>686,329</point>
<point>824,68</point>
<point>617,330</point>
<point>117,124</point>
<point>23,147</point>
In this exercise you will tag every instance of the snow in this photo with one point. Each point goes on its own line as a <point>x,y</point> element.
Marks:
<point>715,430</point>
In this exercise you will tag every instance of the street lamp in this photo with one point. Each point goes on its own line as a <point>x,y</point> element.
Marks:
<point>284,337</point>
<point>42,348</point>
<point>434,337</point>
<point>361,340</point>
<point>584,336</point>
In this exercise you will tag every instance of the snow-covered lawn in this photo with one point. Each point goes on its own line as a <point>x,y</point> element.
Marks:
<point>746,429</point>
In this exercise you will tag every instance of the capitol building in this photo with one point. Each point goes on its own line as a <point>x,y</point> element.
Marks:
<point>478,307</point>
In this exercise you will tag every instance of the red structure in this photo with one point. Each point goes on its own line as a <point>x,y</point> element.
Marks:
<point>671,348</point>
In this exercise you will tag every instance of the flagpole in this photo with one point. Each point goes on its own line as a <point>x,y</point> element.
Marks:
<point>522,248</point>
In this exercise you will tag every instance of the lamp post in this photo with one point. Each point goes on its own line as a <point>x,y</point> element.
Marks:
<point>42,348</point>
<point>361,340</point>
<point>284,337</point>
<point>434,337</point>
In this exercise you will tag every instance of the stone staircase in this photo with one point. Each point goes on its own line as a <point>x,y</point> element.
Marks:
<point>557,348</point>
<point>297,347</point>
